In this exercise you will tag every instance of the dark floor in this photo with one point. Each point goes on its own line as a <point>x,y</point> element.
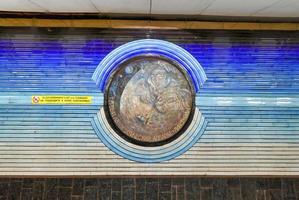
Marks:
<point>151,188</point>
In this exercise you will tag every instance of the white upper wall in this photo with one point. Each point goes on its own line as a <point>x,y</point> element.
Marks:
<point>247,8</point>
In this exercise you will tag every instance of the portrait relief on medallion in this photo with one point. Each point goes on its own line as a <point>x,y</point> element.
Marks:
<point>149,100</point>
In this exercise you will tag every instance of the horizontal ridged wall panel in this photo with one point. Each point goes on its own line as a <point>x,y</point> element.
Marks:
<point>250,101</point>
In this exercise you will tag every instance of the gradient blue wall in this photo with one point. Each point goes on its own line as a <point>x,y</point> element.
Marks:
<point>250,102</point>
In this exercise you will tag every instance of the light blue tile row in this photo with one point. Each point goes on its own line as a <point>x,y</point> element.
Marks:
<point>271,133</point>
<point>249,101</point>
<point>291,137</point>
<point>202,101</point>
<point>45,118</point>
<point>26,99</point>
<point>257,141</point>
<point>46,131</point>
<point>43,123</point>
<point>45,127</point>
<point>57,135</point>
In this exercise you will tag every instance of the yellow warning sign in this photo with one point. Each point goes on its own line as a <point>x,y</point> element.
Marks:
<point>54,99</point>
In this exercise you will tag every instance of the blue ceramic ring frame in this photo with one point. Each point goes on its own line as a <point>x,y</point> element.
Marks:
<point>140,153</point>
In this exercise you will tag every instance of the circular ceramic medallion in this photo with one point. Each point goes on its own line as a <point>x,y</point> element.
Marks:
<point>149,100</point>
<point>137,78</point>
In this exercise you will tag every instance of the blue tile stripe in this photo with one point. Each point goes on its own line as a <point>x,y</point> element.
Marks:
<point>152,47</point>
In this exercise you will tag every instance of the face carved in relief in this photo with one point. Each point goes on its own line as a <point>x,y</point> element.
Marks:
<point>149,100</point>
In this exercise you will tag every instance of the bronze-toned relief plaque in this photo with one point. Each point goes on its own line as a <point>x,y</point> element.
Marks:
<point>149,100</point>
